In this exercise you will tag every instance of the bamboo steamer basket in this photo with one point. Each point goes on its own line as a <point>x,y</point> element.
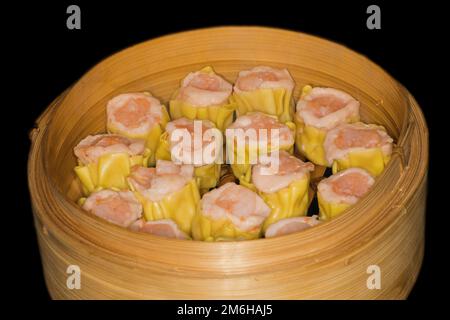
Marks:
<point>330,261</point>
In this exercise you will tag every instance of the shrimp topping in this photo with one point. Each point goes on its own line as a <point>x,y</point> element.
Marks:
<point>92,147</point>
<point>118,207</point>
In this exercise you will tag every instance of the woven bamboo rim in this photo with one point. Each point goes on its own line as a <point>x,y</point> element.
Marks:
<point>329,261</point>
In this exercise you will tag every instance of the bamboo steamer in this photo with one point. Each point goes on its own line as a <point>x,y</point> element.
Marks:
<point>330,261</point>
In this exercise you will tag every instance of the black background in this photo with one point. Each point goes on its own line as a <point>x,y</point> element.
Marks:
<point>45,58</point>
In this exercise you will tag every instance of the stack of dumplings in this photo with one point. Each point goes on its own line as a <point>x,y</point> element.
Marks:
<point>158,170</point>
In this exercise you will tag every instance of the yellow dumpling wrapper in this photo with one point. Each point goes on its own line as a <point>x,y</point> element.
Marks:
<point>207,176</point>
<point>110,171</point>
<point>329,210</point>
<point>373,160</point>
<point>242,171</point>
<point>151,138</point>
<point>277,102</point>
<point>206,229</point>
<point>220,115</point>
<point>289,202</point>
<point>309,140</point>
<point>179,206</point>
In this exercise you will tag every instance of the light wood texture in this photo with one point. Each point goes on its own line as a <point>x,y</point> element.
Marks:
<point>386,228</point>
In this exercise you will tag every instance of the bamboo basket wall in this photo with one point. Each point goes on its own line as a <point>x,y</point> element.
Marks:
<point>386,228</point>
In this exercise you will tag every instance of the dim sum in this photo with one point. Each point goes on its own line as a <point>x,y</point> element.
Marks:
<point>318,111</point>
<point>366,146</point>
<point>138,116</point>
<point>230,212</point>
<point>105,160</point>
<point>341,190</point>
<point>168,191</point>
<point>265,89</point>
<point>283,186</point>
<point>204,95</point>
<point>206,167</point>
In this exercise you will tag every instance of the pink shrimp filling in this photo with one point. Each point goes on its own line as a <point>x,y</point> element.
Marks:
<point>324,105</point>
<point>289,164</point>
<point>351,184</point>
<point>133,113</point>
<point>204,81</point>
<point>354,138</point>
<point>227,201</point>
<point>253,80</point>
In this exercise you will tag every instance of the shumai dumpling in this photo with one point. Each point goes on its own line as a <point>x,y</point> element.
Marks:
<point>195,142</point>
<point>318,111</point>
<point>265,89</point>
<point>253,136</point>
<point>118,207</point>
<point>366,146</point>
<point>341,190</point>
<point>105,160</point>
<point>230,212</point>
<point>138,116</point>
<point>283,183</point>
<point>204,95</point>
<point>290,225</point>
<point>168,191</point>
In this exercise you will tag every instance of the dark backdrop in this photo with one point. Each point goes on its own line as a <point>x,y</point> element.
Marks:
<point>46,58</point>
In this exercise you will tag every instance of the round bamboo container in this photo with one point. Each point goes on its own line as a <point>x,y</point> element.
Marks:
<point>330,261</point>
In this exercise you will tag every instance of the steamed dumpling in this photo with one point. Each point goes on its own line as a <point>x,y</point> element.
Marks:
<point>168,191</point>
<point>325,108</point>
<point>283,184</point>
<point>134,114</point>
<point>318,111</point>
<point>341,190</point>
<point>265,89</point>
<point>230,212</point>
<point>105,160</point>
<point>359,145</point>
<point>203,89</point>
<point>166,178</point>
<point>204,95</point>
<point>137,115</point>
